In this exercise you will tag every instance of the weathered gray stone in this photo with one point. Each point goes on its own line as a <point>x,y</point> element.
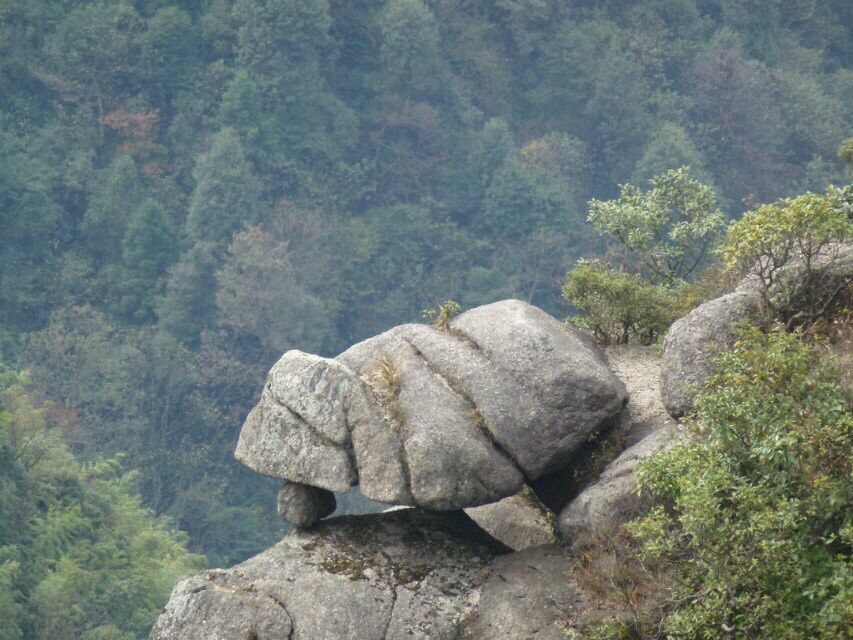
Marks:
<point>561,383</point>
<point>303,505</point>
<point>378,444</point>
<point>520,521</point>
<point>613,498</point>
<point>450,459</point>
<point>317,390</point>
<point>529,595</point>
<point>694,342</point>
<point>405,575</point>
<point>276,442</point>
<point>438,419</point>
<point>646,428</point>
<point>638,367</point>
<point>215,605</point>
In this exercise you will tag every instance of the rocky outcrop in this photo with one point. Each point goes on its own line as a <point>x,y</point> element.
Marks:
<point>639,368</point>
<point>645,427</point>
<point>531,595</point>
<point>438,419</point>
<point>520,521</point>
<point>503,398</point>
<point>613,498</point>
<point>694,342</point>
<point>403,575</point>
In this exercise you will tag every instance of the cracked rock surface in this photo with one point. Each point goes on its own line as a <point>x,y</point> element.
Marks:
<point>531,595</point>
<point>441,419</point>
<point>520,521</point>
<point>406,574</point>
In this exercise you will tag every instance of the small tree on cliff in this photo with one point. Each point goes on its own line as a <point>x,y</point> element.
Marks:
<point>657,238</point>
<point>791,251</point>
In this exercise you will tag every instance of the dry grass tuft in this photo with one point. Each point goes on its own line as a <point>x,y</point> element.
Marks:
<point>608,565</point>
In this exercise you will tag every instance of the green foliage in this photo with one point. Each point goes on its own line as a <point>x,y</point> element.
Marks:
<point>30,219</point>
<point>670,146</point>
<point>442,316</point>
<point>619,307</point>
<point>664,232</point>
<point>410,50</point>
<point>79,555</point>
<point>390,154</point>
<point>147,250</point>
<point>845,152</point>
<point>661,237</point>
<point>226,195</point>
<point>139,392</point>
<point>259,296</point>
<point>755,516</point>
<point>795,235</point>
<point>189,302</point>
<point>117,194</point>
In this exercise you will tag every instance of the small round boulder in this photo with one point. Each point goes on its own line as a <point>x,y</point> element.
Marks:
<point>303,505</point>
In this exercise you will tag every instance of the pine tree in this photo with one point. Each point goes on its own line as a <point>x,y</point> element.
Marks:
<point>147,250</point>
<point>189,304</point>
<point>117,192</point>
<point>226,195</point>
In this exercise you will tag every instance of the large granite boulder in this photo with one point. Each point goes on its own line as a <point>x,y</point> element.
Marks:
<point>695,341</point>
<point>448,457</point>
<point>442,419</point>
<point>393,576</point>
<point>300,428</point>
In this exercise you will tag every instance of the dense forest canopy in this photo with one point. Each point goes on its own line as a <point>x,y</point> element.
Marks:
<point>189,189</point>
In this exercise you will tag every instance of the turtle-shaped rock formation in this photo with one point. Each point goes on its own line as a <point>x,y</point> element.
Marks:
<point>440,419</point>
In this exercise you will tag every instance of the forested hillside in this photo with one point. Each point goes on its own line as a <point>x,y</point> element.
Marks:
<point>189,189</point>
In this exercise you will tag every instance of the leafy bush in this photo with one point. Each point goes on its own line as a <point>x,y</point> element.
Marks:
<point>659,237</point>
<point>754,515</point>
<point>664,232</point>
<point>618,307</point>
<point>788,248</point>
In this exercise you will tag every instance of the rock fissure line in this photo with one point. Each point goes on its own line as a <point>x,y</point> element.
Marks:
<point>521,382</point>
<point>388,420</point>
<point>323,439</point>
<point>391,612</point>
<point>481,424</point>
<point>460,335</point>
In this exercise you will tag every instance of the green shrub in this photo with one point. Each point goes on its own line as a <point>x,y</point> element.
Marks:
<point>754,515</point>
<point>665,232</point>
<point>619,307</point>
<point>658,238</point>
<point>786,249</point>
<point>442,316</point>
